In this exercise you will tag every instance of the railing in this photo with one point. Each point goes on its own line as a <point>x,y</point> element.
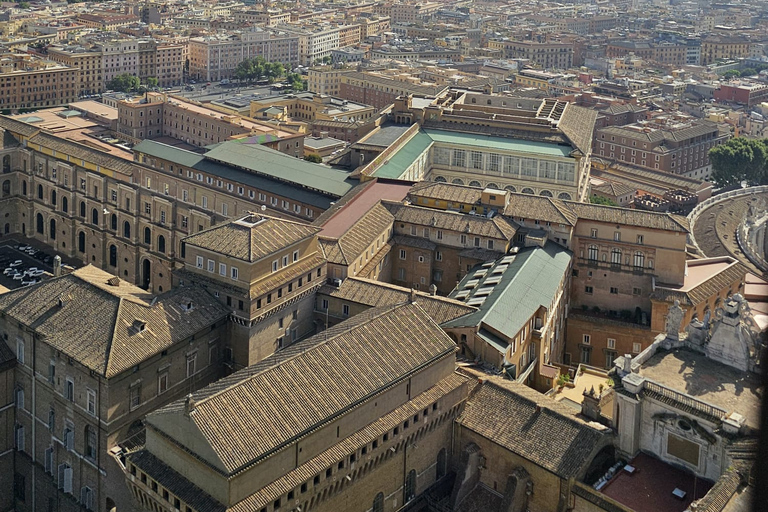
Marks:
<point>686,400</point>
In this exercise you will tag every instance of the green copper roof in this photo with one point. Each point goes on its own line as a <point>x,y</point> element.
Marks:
<point>249,155</point>
<point>501,143</point>
<point>514,287</point>
<point>397,163</point>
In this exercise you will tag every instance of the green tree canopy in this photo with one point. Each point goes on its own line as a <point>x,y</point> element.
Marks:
<point>731,74</point>
<point>124,83</point>
<point>258,69</point>
<point>602,200</point>
<point>295,82</point>
<point>152,82</point>
<point>748,72</point>
<point>740,160</point>
<point>314,158</point>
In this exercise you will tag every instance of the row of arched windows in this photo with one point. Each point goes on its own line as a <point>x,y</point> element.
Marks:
<point>638,261</point>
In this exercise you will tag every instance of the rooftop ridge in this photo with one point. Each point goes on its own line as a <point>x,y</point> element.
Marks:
<point>361,318</point>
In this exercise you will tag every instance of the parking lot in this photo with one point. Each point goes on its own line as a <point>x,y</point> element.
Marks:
<point>19,267</point>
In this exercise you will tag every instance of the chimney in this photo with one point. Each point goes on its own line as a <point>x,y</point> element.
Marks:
<point>57,266</point>
<point>189,405</point>
<point>432,289</point>
<point>627,363</point>
<point>413,295</point>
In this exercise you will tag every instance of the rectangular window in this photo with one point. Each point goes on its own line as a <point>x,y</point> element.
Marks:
<point>69,390</point>
<point>463,239</point>
<point>490,244</point>
<point>184,221</point>
<point>438,256</point>
<point>20,351</point>
<point>200,262</point>
<point>586,354</point>
<point>295,256</point>
<point>587,339</point>
<point>205,202</point>
<point>614,290</point>
<point>345,309</point>
<point>162,383</point>
<point>477,242</point>
<point>637,291</point>
<point>147,208</point>
<point>594,233</point>
<point>459,158</point>
<point>134,398</point>
<point>222,269</point>
<point>402,254</point>
<point>235,273</point>
<point>617,236</point>
<point>191,364</point>
<point>636,348</point>
<point>275,265</point>
<point>477,160</point>
<point>91,394</point>
<point>640,239</point>
<point>611,343</point>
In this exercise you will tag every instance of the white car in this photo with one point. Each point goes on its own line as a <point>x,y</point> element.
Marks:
<point>18,276</point>
<point>8,271</point>
<point>37,273</point>
<point>16,263</point>
<point>28,283</point>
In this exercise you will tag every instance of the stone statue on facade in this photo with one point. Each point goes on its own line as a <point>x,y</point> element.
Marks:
<point>674,319</point>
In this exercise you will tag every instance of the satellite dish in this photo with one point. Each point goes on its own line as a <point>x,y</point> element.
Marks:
<point>263,207</point>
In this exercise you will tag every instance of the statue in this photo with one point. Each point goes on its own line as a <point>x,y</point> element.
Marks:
<point>674,319</point>
<point>698,330</point>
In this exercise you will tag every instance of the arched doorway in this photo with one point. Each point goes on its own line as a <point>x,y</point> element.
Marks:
<point>7,228</point>
<point>40,224</point>
<point>52,232</point>
<point>146,273</point>
<point>81,241</point>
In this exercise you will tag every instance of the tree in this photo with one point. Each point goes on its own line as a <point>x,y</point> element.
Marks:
<point>23,5</point>
<point>748,72</point>
<point>602,200</point>
<point>295,82</point>
<point>731,74</point>
<point>152,82</point>
<point>124,83</point>
<point>314,158</point>
<point>740,160</point>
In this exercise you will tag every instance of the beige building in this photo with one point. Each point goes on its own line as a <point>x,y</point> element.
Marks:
<point>29,82</point>
<point>310,107</point>
<point>94,354</point>
<point>381,442</point>
<point>265,270</point>
<point>88,62</point>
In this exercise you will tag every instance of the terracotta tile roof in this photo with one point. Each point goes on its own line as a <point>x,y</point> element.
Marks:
<point>364,232</point>
<point>532,425</point>
<point>293,271</point>
<point>578,123</point>
<point>81,151</point>
<point>245,417</point>
<point>109,328</point>
<point>614,188</point>
<point>446,192</point>
<point>339,451</point>
<point>252,238</point>
<point>498,227</point>
<point>415,242</point>
<point>546,209</point>
<point>19,127</point>
<point>629,217</point>
<point>375,294</point>
<point>699,294</point>
<point>332,251</point>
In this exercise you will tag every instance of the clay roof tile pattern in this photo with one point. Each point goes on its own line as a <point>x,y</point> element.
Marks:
<point>531,425</point>
<point>257,411</point>
<point>496,227</point>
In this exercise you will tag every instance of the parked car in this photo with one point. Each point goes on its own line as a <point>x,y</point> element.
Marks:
<point>16,263</point>
<point>18,276</point>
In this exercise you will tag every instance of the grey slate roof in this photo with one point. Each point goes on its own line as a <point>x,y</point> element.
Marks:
<point>530,280</point>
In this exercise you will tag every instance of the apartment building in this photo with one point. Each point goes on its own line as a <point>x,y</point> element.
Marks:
<point>715,47</point>
<point>669,145</point>
<point>87,61</point>
<point>413,12</point>
<point>315,43</point>
<point>310,107</point>
<point>268,287</point>
<point>548,55</point>
<point>268,18</point>
<point>355,451</point>
<point>216,57</point>
<point>106,22</point>
<point>376,89</point>
<point>94,354</point>
<point>154,116</point>
<point>29,82</point>
<point>325,81</point>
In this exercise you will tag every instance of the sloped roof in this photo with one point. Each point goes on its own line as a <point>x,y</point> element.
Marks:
<point>527,281</point>
<point>256,411</point>
<point>533,426</point>
<point>477,225</point>
<point>578,123</point>
<point>252,238</point>
<point>630,217</point>
<point>96,322</point>
<point>375,294</point>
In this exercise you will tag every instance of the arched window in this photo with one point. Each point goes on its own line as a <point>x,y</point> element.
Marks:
<point>53,197</point>
<point>639,260</point>
<point>65,204</point>
<point>616,257</point>
<point>161,244</point>
<point>475,183</point>
<point>510,188</point>
<point>7,163</point>
<point>527,191</point>
<point>81,241</point>
<point>147,236</point>
<point>95,216</point>
<point>410,486</point>
<point>112,255</point>
<point>52,232</point>
<point>457,181</point>
<point>40,223</point>
<point>24,187</point>
<point>39,191</point>
<point>442,464</point>
<point>564,195</point>
<point>592,252</point>
<point>127,229</point>
<point>82,209</point>
<point>650,263</point>
<point>6,188</point>
<point>492,185</point>
<point>113,222</point>
<point>439,179</point>
<point>545,193</point>
<point>378,503</point>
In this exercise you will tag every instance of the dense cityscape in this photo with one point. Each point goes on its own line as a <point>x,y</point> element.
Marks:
<point>471,256</point>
